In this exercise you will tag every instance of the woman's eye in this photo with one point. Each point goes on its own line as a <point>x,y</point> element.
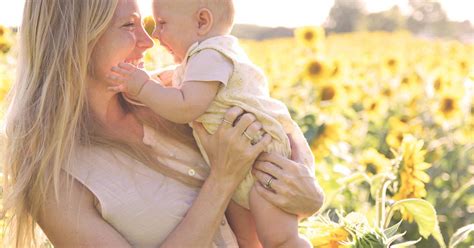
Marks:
<point>128,25</point>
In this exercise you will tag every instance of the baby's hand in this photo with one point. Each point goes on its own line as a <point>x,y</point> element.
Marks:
<point>128,78</point>
<point>166,77</point>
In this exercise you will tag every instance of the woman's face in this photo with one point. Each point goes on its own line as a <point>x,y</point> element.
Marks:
<point>125,40</point>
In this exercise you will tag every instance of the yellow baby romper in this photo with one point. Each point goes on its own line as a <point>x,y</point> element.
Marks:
<point>247,88</point>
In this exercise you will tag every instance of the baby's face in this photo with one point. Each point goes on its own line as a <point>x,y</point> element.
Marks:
<point>176,28</point>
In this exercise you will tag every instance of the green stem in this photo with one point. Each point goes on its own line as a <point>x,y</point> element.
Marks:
<point>380,204</point>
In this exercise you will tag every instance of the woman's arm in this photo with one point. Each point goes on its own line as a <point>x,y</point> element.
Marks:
<point>73,220</point>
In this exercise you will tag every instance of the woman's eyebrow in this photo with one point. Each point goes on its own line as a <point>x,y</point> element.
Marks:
<point>132,15</point>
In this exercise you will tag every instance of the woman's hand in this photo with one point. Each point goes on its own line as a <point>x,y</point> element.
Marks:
<point>229,150</point>
<point>293,187</point>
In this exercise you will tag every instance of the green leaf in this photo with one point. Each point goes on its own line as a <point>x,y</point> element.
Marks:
<point>389,232</point>
<point>424,215</point>
<point>460,235</point>
<point>393,238</point>
<point>406,244</point>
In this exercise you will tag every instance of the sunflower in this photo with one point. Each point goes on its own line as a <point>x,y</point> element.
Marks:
<point>374,162</point>
<point>4,45</point>
<point>2,30</point>
<point>5,86</point>
<point>330,237</point>
<point>412,171</point>
<point>440,83</point>
<point>310,37</point>
<point>376,108</point>
<point>316,70</point>
<point>400,126</point>
<point>330,97</point>
<point>328,134</point>
<point>327,234</point>
<point>392,64</point>
<point>447,108</point>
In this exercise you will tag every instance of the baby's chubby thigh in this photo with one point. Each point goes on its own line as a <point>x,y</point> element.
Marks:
<point>242,193</point>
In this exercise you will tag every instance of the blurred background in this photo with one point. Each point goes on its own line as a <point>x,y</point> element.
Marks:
<point>383,91</point>
<point>443,18</point>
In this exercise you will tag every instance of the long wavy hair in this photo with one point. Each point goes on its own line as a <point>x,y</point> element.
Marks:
<point>48,114</point>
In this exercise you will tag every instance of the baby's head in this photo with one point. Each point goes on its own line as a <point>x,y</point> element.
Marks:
<point>180,23</point>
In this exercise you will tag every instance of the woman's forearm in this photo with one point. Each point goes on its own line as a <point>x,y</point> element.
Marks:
<point>203,219</point>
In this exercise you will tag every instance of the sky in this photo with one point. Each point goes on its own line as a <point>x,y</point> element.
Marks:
<point>272,13</point>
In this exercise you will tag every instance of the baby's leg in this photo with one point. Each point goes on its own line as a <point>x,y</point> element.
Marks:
<point>242,223</point>
<point>275,228</point>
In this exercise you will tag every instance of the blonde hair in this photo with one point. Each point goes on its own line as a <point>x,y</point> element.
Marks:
<point>48,115</point>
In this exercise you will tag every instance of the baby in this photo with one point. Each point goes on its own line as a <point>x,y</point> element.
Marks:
<point>214,75</point>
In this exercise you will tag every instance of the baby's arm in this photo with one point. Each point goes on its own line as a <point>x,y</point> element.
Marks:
<point>177,105</point>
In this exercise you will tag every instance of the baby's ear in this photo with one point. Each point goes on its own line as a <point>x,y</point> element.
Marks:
<point>205,21</point>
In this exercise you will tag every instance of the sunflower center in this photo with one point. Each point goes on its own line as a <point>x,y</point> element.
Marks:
<point>328,93</point>
<point>371,168</point>
<point>2,31</point>
<point>400,137</point>
<point>391,62</point>
<point>448,105</point>
<point>373,106</point>
<point>387,92</point>
<point>437,84</point>
<point>309,36</point>
<point>405,80</point>
<point>315,68</point>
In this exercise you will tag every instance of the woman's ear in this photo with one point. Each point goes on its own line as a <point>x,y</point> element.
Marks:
<point>205,21</point>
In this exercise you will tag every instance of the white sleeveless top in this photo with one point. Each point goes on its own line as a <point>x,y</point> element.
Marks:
<point>141,204</point>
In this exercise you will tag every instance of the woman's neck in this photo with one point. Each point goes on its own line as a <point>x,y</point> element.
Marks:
<point>105,107</point>
<point>104,104</point>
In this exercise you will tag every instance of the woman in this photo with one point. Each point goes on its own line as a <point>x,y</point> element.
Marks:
<point>93,170</point>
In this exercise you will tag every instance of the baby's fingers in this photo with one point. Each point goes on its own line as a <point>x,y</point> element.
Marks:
<point>118,88</point>
<point>127,66</point>
<point>115,79</point>
<point>121,71</point>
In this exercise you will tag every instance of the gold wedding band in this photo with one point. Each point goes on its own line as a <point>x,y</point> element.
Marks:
<point>228,122</point>
<point>248,136</point>
<point>268,184</point>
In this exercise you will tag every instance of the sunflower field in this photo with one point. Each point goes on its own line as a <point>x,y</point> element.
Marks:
<point>390,120</point>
